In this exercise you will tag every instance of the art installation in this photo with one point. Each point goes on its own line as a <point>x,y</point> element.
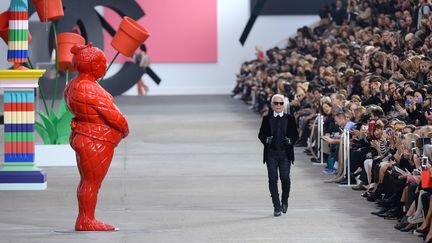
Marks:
<point>19,172</point>
<point>91,25</point>
<point>97,128</point>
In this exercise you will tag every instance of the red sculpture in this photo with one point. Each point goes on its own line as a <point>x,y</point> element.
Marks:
<point>97,128</point>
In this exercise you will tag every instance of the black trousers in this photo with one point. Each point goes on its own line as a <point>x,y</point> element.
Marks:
<point>278,160</point>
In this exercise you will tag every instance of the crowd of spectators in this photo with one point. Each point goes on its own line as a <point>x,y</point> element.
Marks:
<point>366,68</point>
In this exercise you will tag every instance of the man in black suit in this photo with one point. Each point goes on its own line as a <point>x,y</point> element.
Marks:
<point>278,133</point>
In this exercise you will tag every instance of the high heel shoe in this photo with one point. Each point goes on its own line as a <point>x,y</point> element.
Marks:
<point>408,228</point>
<point>422,231</point>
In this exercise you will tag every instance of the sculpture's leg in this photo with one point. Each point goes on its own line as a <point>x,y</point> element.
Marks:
<point>93,159</point>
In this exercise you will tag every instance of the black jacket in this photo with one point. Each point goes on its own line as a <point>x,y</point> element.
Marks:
<point>267,128</point>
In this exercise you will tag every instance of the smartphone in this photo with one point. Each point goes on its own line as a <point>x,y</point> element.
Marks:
<point>413,144</point>
<point>407,102</point>
<point>370,126</point>
<point>389,131</point>
<point>414,151</point>
<point>399,134</point>
<point>424,163</point>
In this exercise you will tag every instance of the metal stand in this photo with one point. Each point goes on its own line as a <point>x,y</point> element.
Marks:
<point>346,157</point>
<point>320,142</point>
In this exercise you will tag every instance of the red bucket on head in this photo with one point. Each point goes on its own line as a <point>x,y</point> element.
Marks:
<point>65,42</point>
<point>129,37</point>
<point>48,10</point>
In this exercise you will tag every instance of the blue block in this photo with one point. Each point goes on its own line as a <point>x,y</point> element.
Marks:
<point>12,96</point>
<point>22,177</point>
<point>18,5</point>
<point>19,158</point>
<point>17,54</point>
<point>18,127</point>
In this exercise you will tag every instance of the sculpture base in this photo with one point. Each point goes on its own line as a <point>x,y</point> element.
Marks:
<point>73,231</point>
<point>54,155</point>
<point>22,186</point>
<point>23,180</point>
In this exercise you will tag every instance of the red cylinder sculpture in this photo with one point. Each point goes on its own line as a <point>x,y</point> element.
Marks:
<point>129,36</point>
<point>49,10</point>
<point>65,42</point>
<point>97,127</point>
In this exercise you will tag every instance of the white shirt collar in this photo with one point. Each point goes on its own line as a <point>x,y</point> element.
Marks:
<point>275,114</point>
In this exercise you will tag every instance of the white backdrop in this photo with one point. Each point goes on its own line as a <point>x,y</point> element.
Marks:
<point>216,78</point>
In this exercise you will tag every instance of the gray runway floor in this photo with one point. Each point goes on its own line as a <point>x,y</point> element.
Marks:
<point>191,171</point>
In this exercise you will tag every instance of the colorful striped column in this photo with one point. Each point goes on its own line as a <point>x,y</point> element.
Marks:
<point>19,171</point>
<point>18,31</point>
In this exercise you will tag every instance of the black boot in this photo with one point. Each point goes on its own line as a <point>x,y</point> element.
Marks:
<point>284,207</point>
<point>277,210</point>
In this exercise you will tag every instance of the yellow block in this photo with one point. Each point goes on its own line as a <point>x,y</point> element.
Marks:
<point>18,45</point>
<point>21,74</point>
<point>19,117</point>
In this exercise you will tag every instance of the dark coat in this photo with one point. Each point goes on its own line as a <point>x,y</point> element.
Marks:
<point>267,128</point>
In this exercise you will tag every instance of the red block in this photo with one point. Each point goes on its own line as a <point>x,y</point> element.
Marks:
<point>19,147</point>
<point>19,107</point>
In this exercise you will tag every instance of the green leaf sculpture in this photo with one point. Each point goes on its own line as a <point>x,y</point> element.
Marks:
<point>55,129</point>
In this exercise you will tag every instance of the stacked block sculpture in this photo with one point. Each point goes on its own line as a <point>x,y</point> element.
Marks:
<point>18,31</point>
<point>19,171</point>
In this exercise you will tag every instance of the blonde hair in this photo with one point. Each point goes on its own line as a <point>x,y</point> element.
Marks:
<point>425,132</point>
<point>409,138</point>
<point>359,112</point>
<point>399,126</point>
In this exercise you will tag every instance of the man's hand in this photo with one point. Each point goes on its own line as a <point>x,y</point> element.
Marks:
<point>330,140</point>
<point>375,144</point>
<point>288,141</point>
<point>356,133</point>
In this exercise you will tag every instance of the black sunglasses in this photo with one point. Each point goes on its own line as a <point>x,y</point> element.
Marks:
<point>278,103</point>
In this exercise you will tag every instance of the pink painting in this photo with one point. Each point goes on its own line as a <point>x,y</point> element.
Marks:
<point>181,31</point>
